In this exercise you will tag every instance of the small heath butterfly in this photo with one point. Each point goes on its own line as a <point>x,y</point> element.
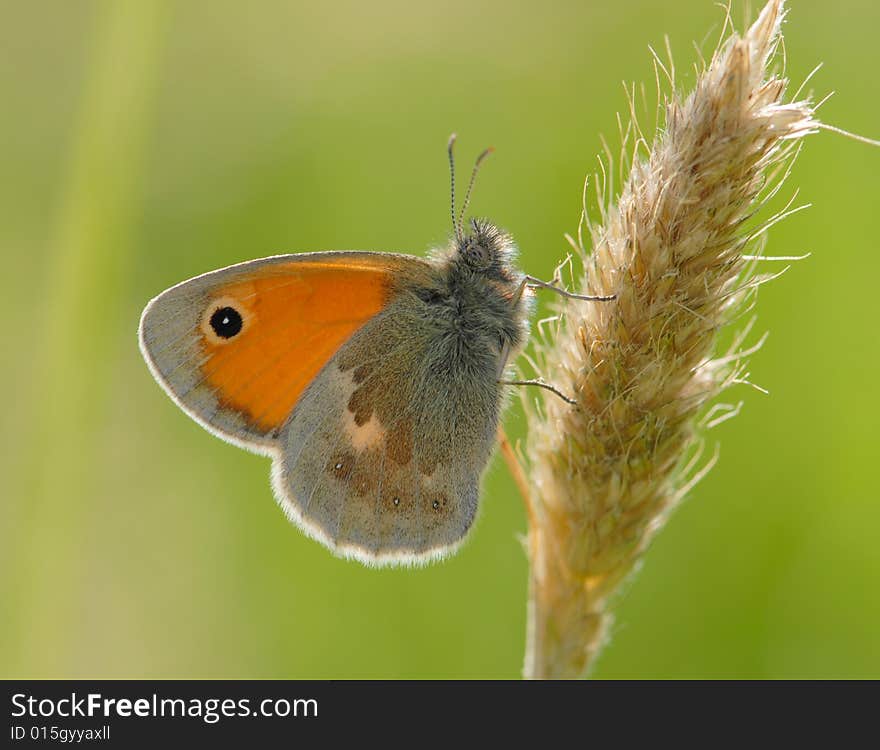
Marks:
<point>372,380</point>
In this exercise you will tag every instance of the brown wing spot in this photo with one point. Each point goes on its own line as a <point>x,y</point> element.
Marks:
<point>398,501</point>
<point>438,502</point>
<point>362,372</point>
<point>438,516</point>
<point>362,403</point>
<point>357,474</point>
<point>341,465</point>
<point>399,442</point>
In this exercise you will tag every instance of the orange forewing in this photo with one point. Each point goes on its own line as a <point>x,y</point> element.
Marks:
<point>296,316</point>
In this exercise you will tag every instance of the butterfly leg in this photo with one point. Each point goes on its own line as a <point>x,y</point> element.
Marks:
<point>541,384</point>
<point>532,283</point>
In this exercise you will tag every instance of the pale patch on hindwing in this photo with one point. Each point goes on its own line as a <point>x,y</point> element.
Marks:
<point>370,434</point>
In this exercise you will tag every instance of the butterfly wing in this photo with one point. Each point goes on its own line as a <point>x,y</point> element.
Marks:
<point>236,348</point>
<point>382,456</point>
<point>329,363</point>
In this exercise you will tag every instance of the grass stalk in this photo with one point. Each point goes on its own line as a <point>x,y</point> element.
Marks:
<point>87,272</point>
<point>679,248</point>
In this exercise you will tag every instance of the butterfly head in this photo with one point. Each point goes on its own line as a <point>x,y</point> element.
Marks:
<point>484,248</point>
<point>481,246</point>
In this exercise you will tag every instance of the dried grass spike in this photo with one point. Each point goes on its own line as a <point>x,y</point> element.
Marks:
<point>605,475</point>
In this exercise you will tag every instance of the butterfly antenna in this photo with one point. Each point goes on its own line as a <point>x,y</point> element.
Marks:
<point>467,195</point>
<point>455,227</point>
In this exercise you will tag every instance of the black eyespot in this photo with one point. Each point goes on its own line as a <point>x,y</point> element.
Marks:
<point>226,322</point>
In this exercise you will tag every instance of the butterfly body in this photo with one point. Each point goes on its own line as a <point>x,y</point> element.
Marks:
<point>370,378</point>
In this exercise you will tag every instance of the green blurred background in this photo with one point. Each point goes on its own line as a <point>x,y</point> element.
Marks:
<point>144,143</point>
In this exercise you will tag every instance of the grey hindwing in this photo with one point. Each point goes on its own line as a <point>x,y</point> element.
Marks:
<point>383,453</point>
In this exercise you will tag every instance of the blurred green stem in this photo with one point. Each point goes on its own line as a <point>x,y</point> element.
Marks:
<point>87,270</point>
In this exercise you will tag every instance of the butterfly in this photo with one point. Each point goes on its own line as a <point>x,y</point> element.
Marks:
<point>373,380</point>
